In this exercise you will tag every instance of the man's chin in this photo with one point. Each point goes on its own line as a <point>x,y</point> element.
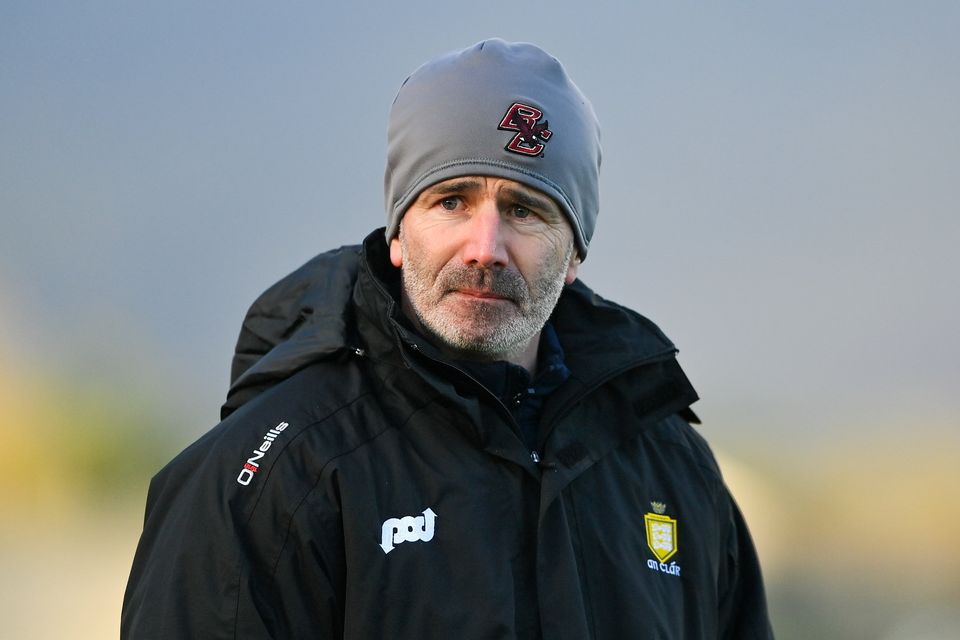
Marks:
<point>484,329</point>
<point>474,343</point>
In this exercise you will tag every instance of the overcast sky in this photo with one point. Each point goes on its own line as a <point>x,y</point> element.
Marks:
<point>779,186</point>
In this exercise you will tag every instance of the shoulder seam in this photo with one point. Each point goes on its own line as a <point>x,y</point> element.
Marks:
<point>691,453</point>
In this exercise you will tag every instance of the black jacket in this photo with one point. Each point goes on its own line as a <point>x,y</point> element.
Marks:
<point>360,487</point>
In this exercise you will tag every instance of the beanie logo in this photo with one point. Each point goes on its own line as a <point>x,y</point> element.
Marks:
<point>530,136</point>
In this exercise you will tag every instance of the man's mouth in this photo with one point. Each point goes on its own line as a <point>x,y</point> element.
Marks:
<point>482,294</point>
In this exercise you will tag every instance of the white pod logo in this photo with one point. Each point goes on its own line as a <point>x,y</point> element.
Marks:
<point>407,529</point>
<point>253,462</point>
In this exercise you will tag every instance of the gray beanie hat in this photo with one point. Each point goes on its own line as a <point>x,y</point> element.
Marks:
<point>497,109</point>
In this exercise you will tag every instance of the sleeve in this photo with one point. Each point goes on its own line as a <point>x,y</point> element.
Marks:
<point>743,606</point>
<point>217,562</point>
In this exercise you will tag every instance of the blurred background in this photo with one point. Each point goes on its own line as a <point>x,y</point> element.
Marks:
<point>779,193</point>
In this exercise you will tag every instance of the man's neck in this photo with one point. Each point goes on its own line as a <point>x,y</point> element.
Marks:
<point>528,357</point>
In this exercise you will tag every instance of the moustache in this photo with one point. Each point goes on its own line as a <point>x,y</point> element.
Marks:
<point>499,282</point>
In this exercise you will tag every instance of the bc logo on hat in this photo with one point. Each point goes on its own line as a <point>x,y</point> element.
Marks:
<point>530,135</point>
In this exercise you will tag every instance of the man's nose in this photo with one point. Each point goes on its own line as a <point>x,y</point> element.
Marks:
<point>484,245</point>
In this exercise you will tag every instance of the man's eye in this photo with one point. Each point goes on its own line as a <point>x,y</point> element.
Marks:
<point>450,204</point>
<point>521,212</point>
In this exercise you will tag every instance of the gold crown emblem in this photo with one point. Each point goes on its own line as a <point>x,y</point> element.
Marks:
<point>659,507</point>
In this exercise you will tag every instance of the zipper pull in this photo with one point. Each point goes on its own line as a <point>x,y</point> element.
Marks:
<point>546,466</point>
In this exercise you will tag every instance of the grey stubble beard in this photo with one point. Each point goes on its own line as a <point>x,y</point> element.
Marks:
<point>497,333</point>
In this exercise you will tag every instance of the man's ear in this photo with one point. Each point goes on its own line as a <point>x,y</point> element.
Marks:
<point>396,254</point>
<point>572,268</point>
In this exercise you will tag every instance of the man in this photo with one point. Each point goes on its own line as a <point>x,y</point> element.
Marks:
<point>442,433</point>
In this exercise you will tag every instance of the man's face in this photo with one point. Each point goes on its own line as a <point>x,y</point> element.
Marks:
<point>483,263</point>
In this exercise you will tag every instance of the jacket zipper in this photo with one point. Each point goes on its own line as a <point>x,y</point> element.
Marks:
<point>562,411</point>
<point>534,455</point>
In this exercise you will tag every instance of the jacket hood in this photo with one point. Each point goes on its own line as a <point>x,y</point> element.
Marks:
<point>309,316</point>
<point>303,318</point>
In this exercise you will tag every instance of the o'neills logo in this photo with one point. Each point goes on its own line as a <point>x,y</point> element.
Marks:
<point>253,462</point>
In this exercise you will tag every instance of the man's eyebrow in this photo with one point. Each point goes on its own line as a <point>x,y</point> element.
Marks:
<point>456,186</point>
<point>527,199</point>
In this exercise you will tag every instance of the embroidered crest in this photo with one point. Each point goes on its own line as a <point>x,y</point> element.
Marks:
<point>661,535</point>
<point>531,135</point>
